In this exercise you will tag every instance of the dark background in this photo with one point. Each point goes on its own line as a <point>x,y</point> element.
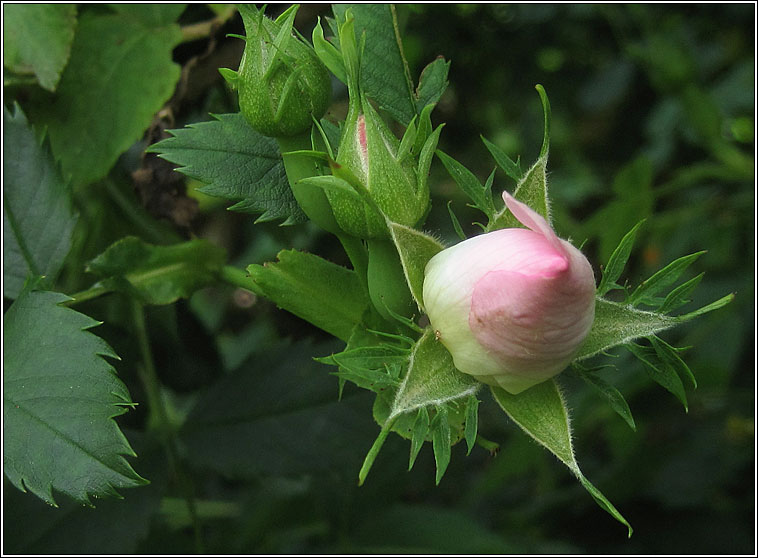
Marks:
<point>652,117</point>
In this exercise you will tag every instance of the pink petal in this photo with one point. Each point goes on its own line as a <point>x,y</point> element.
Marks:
<point>533,220</point>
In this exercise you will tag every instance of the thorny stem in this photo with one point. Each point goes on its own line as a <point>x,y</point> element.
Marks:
<point>159,416</point>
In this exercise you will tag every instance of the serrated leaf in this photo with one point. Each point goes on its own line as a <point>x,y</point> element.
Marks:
<point>236,163</point>
<point>432,83</point>
<point>541,412</point>
<point>384,75</point>
<point>327,295</point>
<point>613,396</point>
<point>432,378</point>
<point>469,183</point>
<point>659,371</point>
<point>37,40</point>
<point>119,75</point>
<point>158,274</point>
<point>645,293</point>
<point>415,249</point>
<point>617,324</point>
<point>617,262</point>
<point>38,217</point>
<point>59,400</point>
<point>440,429</point>
<point>509,166</point>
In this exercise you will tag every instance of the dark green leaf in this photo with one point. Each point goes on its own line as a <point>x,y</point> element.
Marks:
<point>158,274</point>
<point>236,163</point>
<point>541,412</point>
<point>432,83</point>
<point>37,40</point>
<point>415,249</point>
<point>647,290</point>
<point>119,75</point>
<point>469,183</point>
<point>617,261</point>
<point>472,422</point>
<point>659,372</point>
<point>371,367</point>
<point>678,296</point>
<point>669,356</point>
<point>720,303</point>
<point>440,429</point>
<point>510,167</point>
<point>152,15</point>
<point>384,73</point>
<point>327,295</point>
<point>278,415</point>
<point>613,396</point>
<point>59,400</point>
<point>419,435</point>
<point>38,217</point>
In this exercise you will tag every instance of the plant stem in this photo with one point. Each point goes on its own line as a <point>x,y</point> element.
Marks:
<point>489,445</point>
<point>88,294</point>
<point>160,420</point>
<point>203,29</point>
<point>374,451</point>
<point>239,278</point>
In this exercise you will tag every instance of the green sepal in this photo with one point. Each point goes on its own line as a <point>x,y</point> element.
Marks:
<point>419,435</point>
<point>541,412</point>
<point>230,76</point>
<point>328,53</point>
<point>415,249</point>
<point>440,429</point>
<point>617,261</point>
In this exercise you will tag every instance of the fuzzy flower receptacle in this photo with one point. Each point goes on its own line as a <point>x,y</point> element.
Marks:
<point>513,305</point>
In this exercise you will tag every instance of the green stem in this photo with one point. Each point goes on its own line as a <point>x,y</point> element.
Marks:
<point>239,278</point>
<point>88,294</point>
<point>489,445</point>
<point>204,29</point>
<point>374,451</point>
<point>160,420</point>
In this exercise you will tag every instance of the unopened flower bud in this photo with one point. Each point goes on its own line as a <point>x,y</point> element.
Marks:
<point>512,306</point>
<point>282,84</point>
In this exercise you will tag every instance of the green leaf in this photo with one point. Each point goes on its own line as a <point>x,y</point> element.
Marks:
<point>37,40</point>
<point>278,415</point>
<point>678,296</point>
<point>617,261</point>
<point>541,412</point>
<point>419,435</point>
<point>153,15</point>
<point>59,400</point>
<point>472,422</point>
<point>432,379</point>
<point>370,367</point>
<point>715,305</point>
<point>469,183</point>
<point>669,356</point>
<point>38,217</point>
<point>432,83</point>
<point>613,396</point>
<point>510,167</point>
<point>158,274</point>
<point>236,163</point>
<point>617,324</point>
<point>415,249</point>
<point>384,74</point>
<point>119,75</point>
<point>650,287</point>
<point>327,295</point>
<point>440,429</point>
<point>328,53</point>
<point>659,371</point>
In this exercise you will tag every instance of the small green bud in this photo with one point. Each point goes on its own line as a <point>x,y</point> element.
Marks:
<point>282,84</point>
<point>377,159</point>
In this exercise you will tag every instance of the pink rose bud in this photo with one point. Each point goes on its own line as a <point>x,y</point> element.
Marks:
<point>512,306</point>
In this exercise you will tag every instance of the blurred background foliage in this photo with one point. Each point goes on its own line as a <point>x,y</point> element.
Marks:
<point>653,118</point>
